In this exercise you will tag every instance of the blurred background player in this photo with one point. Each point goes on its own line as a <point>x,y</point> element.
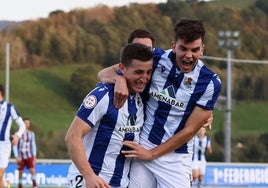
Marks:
<point>8,113</point>
<point>141,36</point>
<point>25,153</point>
<point>202,145</point>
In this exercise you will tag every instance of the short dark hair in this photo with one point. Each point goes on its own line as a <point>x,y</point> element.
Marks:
<point>140,33</point>
<point>135,51</point>
<point>26,118</point>
<point>189,30</point>
<point>2,89</point>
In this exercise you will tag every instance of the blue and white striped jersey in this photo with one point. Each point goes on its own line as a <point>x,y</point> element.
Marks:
<point>110,126</point>
<point>26,147</point>
<point>8,113</point>
<point>200,147</point>
<point>172,97</point>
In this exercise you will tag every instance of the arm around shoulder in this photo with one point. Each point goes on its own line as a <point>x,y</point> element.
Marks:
<point>109,75</point>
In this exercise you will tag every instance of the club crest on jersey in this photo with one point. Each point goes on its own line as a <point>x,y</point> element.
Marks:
<point>188,81</point>
<point>90,101</point>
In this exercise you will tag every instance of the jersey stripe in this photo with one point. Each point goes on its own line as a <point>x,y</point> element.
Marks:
<point>6,124</point>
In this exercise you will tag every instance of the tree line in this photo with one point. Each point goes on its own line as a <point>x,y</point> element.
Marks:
<point>95,36</point>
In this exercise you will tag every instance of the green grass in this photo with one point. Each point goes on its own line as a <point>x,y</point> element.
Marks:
<point>247,118</point>
<point>44,96</point>
<point>250,118</point>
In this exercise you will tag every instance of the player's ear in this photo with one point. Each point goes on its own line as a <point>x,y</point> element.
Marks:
<point>173,46</point>
<point>122,68</point>
<point>203,49</point>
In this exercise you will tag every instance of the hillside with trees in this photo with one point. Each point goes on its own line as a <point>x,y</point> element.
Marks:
<point>93,38</point>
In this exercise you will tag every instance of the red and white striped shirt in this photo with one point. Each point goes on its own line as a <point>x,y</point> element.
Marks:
<point>26,147</point>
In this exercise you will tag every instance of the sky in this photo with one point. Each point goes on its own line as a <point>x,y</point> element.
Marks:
<point>19,10</point>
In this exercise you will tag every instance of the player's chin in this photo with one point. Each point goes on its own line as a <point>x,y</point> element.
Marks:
<point>139,89</point>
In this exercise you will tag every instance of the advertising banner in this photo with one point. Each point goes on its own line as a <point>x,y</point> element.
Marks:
<point>49,173</point>
<point>236,174</point>
<point>52,173</point>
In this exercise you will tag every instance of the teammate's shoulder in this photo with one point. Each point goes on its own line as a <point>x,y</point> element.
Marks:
<point>159,51</point>
<point>100,92</point>
<point>11,105</point>
<point>6,103</point>
<point>103,87</point>
<point>206,70</point>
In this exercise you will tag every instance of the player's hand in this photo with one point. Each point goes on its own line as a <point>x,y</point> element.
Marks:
<point>120,92</point>
<point>96,182</point>
<point>15,139</point>
<point>137,151</point>
<point>209,122</point>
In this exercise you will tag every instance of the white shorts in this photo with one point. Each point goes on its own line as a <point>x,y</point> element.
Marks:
<point>78,181</point>
<point>172,170</point>
<point>200,166</point>
<point>5,152</point>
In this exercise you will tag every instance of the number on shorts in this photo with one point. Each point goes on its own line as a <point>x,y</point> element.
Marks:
<point>78,181</point>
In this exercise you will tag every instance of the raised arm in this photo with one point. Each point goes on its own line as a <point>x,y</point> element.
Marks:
<point>109,75</point>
